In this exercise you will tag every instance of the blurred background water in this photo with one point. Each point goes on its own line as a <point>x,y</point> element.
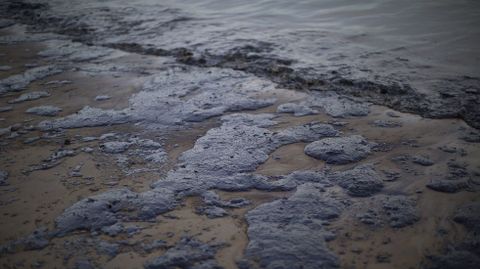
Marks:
<point>422,43</point>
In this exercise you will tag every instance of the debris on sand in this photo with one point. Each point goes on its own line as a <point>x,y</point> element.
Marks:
<point>49,111</point>
<point>3,178</point>
<point>447,185</point>
<point>29,97</point>
<point>18,82</point>
<point>39,239</point>
<point>102,97</point>
<point>5,67</point>
<point>114,147</point>
<point>87,117</point>
<point>465,254</point>
<point>294,226</point>
<point>107,248</point>
<point>106,209</point>
<point>53,160</point>
<point>422,160</point>
<point>401,211</point>
<point>361,181</point>
<point>221,159</point>
<point>162,100</point>
<point>296,109</point>
<point>211,211</point>
<point>333,104</point>
<point>340,150</point>
<point>31,140</point>
<point>339,106</point>
<point>6,108</point>
<point>188,253</point>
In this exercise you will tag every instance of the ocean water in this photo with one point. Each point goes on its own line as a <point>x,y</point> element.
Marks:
<point>399,40</point>
<point>371,34</point>
<point>431,46</point>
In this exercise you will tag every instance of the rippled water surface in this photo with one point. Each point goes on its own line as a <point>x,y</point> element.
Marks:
<point>399,40</point>
<point>428,47</point>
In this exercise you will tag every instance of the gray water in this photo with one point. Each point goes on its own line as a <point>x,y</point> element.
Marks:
<point>443,32</point>
<point>431,46</point>
<point>400,40</point>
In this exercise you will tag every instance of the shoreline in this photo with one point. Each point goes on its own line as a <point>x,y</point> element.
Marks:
<point>448,96</point>
<point>36,199</point>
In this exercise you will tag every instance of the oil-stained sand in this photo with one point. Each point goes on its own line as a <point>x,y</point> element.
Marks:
<point>35,196</point>
<point>364,246</point>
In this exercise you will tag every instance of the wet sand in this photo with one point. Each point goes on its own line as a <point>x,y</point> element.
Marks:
<point>34,199</point>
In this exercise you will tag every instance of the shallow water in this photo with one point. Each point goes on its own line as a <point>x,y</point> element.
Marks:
<point>435,34</point>
<point>422,54</point>
<point>371,34</point>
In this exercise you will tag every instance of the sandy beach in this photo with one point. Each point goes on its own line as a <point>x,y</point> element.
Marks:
<point>190,135</point>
